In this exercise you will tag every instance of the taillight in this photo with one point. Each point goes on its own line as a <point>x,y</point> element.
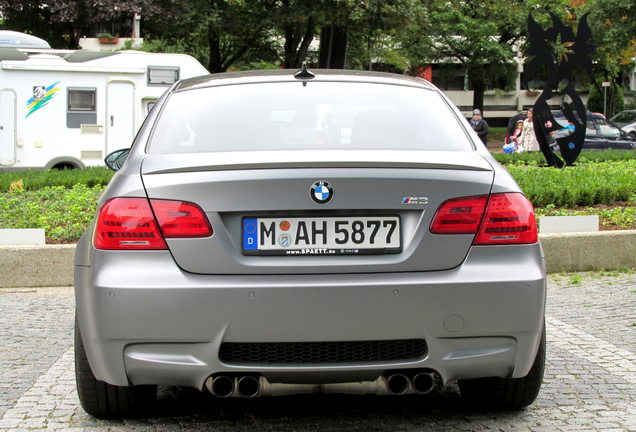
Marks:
<point>459,215</point>
<point>503,218</point>
<point>129,223</point>
<point>509,219</point>
<point>179,219</point>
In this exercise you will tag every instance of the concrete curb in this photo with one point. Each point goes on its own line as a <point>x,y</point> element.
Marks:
<point>52,265</point>
<point>607,250</point>
<point>36,266</point>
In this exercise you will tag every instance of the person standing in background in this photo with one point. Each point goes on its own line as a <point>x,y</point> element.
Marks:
<point>480,126</point>
<point>528,139</point>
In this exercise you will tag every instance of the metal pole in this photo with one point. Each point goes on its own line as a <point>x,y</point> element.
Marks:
<point>605,101</point>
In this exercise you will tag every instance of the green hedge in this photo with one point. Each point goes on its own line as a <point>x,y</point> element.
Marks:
<point>584,185</point>
<point>64,213</point>
<point>537,158</point>
<point>34,180</point>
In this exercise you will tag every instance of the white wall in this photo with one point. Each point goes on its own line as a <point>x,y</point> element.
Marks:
<point>94,44</point>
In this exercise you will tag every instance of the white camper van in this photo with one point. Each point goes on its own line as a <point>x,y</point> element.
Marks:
<point>68,109</point>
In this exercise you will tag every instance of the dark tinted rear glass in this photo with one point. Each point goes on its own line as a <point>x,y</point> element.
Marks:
<point>625,117</point>
<point>321,115</point>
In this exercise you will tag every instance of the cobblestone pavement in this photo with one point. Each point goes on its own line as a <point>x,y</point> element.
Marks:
<point>590,381</point>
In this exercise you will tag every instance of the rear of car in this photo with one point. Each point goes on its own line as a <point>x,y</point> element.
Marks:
<point>626,120</point>
<point>342,228</point>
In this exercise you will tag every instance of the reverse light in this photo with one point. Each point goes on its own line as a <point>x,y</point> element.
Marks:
<point>131,224</point>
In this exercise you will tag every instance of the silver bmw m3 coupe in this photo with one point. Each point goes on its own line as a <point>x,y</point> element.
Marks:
<point>276,232</point>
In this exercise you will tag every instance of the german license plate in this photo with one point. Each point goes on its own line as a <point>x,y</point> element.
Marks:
<point>321,235</point>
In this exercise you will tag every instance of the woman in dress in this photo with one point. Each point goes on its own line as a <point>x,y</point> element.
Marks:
<point>528,139</point>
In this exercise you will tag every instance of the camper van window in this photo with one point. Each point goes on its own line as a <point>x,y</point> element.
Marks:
<point>162,75</point>
<point>81,107</point>
<point>81,99</point>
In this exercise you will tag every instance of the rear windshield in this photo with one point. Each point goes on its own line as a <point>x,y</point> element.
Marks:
<point>320,115</point>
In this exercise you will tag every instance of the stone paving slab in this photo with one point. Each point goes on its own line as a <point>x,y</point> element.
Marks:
<point>590,381</point>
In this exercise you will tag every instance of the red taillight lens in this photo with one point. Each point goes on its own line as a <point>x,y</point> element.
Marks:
<point>127,223</point>
<point>179,219</point>
<point>459,215</point>
<point>509,219</point>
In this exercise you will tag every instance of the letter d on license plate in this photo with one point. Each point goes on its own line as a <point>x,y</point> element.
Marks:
<point>321,235</point>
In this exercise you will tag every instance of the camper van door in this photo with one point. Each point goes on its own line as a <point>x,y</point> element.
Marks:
<point>7,127</point>
<point>120,115</point>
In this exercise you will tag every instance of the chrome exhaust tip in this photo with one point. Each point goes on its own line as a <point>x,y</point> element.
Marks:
<point>248,386</point>
<point>424,382</point>
<point>222,386</point>
<point>397,384</point>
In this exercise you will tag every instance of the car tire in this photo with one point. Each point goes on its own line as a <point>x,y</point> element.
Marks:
<point>507,393</point>
<point>104,400</point>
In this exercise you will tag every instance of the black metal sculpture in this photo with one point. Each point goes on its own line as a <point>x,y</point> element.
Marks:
<point>561,52</point>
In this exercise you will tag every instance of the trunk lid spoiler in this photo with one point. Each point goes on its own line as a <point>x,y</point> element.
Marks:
<point>294,159</point>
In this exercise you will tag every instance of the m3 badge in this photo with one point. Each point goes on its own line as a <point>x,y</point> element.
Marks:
<point>415,200</point>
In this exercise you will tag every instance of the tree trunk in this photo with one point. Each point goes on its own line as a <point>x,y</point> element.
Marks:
<point>216,60</point>
<point>307,38</point>
<point>479,87</point>
<point>290,46</point>
<point>296,48</point>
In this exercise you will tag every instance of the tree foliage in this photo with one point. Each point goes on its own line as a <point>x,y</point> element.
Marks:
<point>609,101</point>
<point>481,36</point>
<point>63,22</point>
<point>614,33</point>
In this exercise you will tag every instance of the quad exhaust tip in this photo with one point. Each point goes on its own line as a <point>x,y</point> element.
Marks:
<point>248,386</point>
<point>424,382</point>
<point>397,384</point>
<point>421,382</point>
<point>222,386</point>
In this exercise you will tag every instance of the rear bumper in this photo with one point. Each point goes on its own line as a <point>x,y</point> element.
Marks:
<point>145,321</point>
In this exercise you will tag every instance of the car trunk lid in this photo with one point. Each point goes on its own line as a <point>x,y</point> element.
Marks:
<point>230,187</point>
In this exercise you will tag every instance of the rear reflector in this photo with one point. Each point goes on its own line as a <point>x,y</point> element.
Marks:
<point>130,224</point>
<point>459,215</point>
<point>509,219</point>
<point>505,218</point>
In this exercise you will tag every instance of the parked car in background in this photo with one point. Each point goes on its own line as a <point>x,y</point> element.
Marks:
<point>600,133</point>
<point>275,228</point>
<point>626,120</point>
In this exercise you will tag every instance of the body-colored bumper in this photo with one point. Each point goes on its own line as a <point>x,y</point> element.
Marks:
<point>145,321</point>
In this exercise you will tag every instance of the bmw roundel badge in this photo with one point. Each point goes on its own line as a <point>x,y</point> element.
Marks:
<point>321,192</point>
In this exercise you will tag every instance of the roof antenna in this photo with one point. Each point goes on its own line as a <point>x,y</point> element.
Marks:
<point>304,74</point>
